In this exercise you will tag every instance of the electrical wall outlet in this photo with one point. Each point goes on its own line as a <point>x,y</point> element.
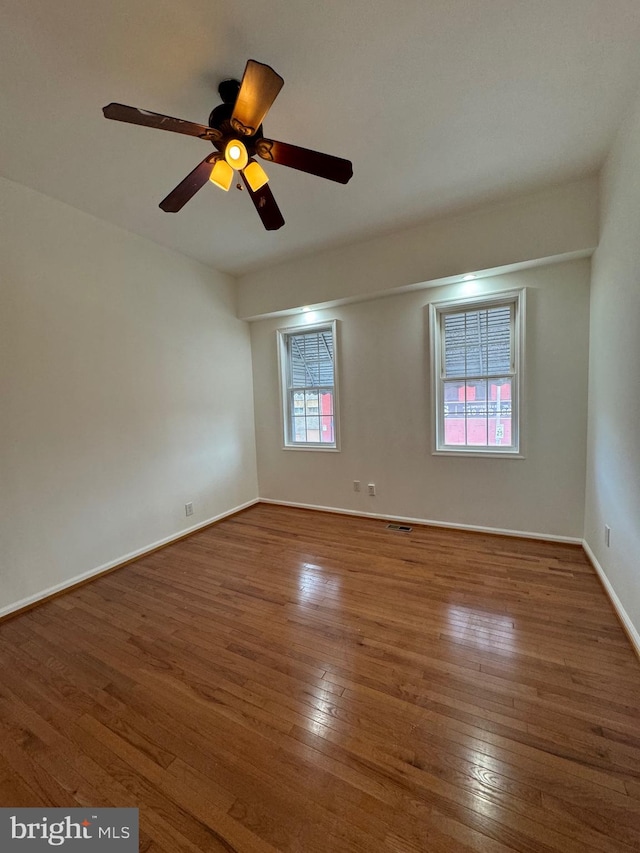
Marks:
<point>607,535</point>
<point>371,488</point>
<point>188,508</point>
<point>356,485</point>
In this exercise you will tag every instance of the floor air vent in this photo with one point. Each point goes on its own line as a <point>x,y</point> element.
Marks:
<point>403,528</point>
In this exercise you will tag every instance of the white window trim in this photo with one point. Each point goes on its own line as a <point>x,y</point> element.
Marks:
<point>285,420</point>
<point>518,297</point>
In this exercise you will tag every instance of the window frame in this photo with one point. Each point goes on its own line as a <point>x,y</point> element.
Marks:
<point>283,336</point>
<point>437,310</point>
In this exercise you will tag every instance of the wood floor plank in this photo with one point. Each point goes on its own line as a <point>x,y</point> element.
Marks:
<point>288,680</point>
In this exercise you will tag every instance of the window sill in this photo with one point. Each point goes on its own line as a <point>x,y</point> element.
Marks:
<point>313,447</point>
<point>481,454</point>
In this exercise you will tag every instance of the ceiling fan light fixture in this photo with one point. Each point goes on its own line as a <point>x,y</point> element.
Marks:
<point>255,175</point>
<point>222,175</point>
<point>235,154</point>
<point>239,117</point>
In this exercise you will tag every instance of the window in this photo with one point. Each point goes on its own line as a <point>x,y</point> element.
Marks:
<point>476,354</point>
<point>309,393</point>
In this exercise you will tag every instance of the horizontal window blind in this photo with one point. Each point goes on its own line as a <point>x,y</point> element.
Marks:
<point>478,342</point>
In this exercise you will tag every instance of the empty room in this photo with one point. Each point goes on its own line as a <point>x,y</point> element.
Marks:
<point>319,430</point>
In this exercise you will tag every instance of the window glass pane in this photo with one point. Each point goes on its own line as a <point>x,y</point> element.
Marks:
<point>311,402</point>
<point>454,413</point>
<point>326,402</point>
<point>476,413</point>
<point>500,412</point>
<point>453,391</point>
<point>327,434</point>
<point>299,431</point>
<point>313,429</point>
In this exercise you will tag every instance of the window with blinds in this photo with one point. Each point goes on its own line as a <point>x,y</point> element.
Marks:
<point>476,366</point>
<point>308,370</point>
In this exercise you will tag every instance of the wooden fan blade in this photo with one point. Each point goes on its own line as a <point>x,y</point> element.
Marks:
<point>313,162</point>
<point>258,90</point>
<point>187,188</point>
<point>265,204</point>
<point>134,115</point>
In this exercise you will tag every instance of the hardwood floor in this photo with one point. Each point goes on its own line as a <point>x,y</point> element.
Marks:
<point>290,680</point>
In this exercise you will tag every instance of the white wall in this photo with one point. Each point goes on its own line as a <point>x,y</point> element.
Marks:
<point>613,468</point>
<point>561,221</point>
<point>385,415</point>
<point>125,391</point>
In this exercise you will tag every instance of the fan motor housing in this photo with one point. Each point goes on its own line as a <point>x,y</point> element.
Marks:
<point>220,119</point>
<point>228,91</point>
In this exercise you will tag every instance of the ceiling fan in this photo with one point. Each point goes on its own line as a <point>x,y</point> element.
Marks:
<point>235,130</point>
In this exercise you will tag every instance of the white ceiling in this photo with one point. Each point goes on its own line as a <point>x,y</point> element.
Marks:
<point>440,104</point>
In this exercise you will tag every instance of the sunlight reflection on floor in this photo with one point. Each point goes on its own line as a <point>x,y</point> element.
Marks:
<point>491,631</point>
<point>314,584</point>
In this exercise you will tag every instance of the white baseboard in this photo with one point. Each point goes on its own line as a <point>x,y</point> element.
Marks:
<point>46,593</point>
<point>623,616</point>
<point>522,534</point>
